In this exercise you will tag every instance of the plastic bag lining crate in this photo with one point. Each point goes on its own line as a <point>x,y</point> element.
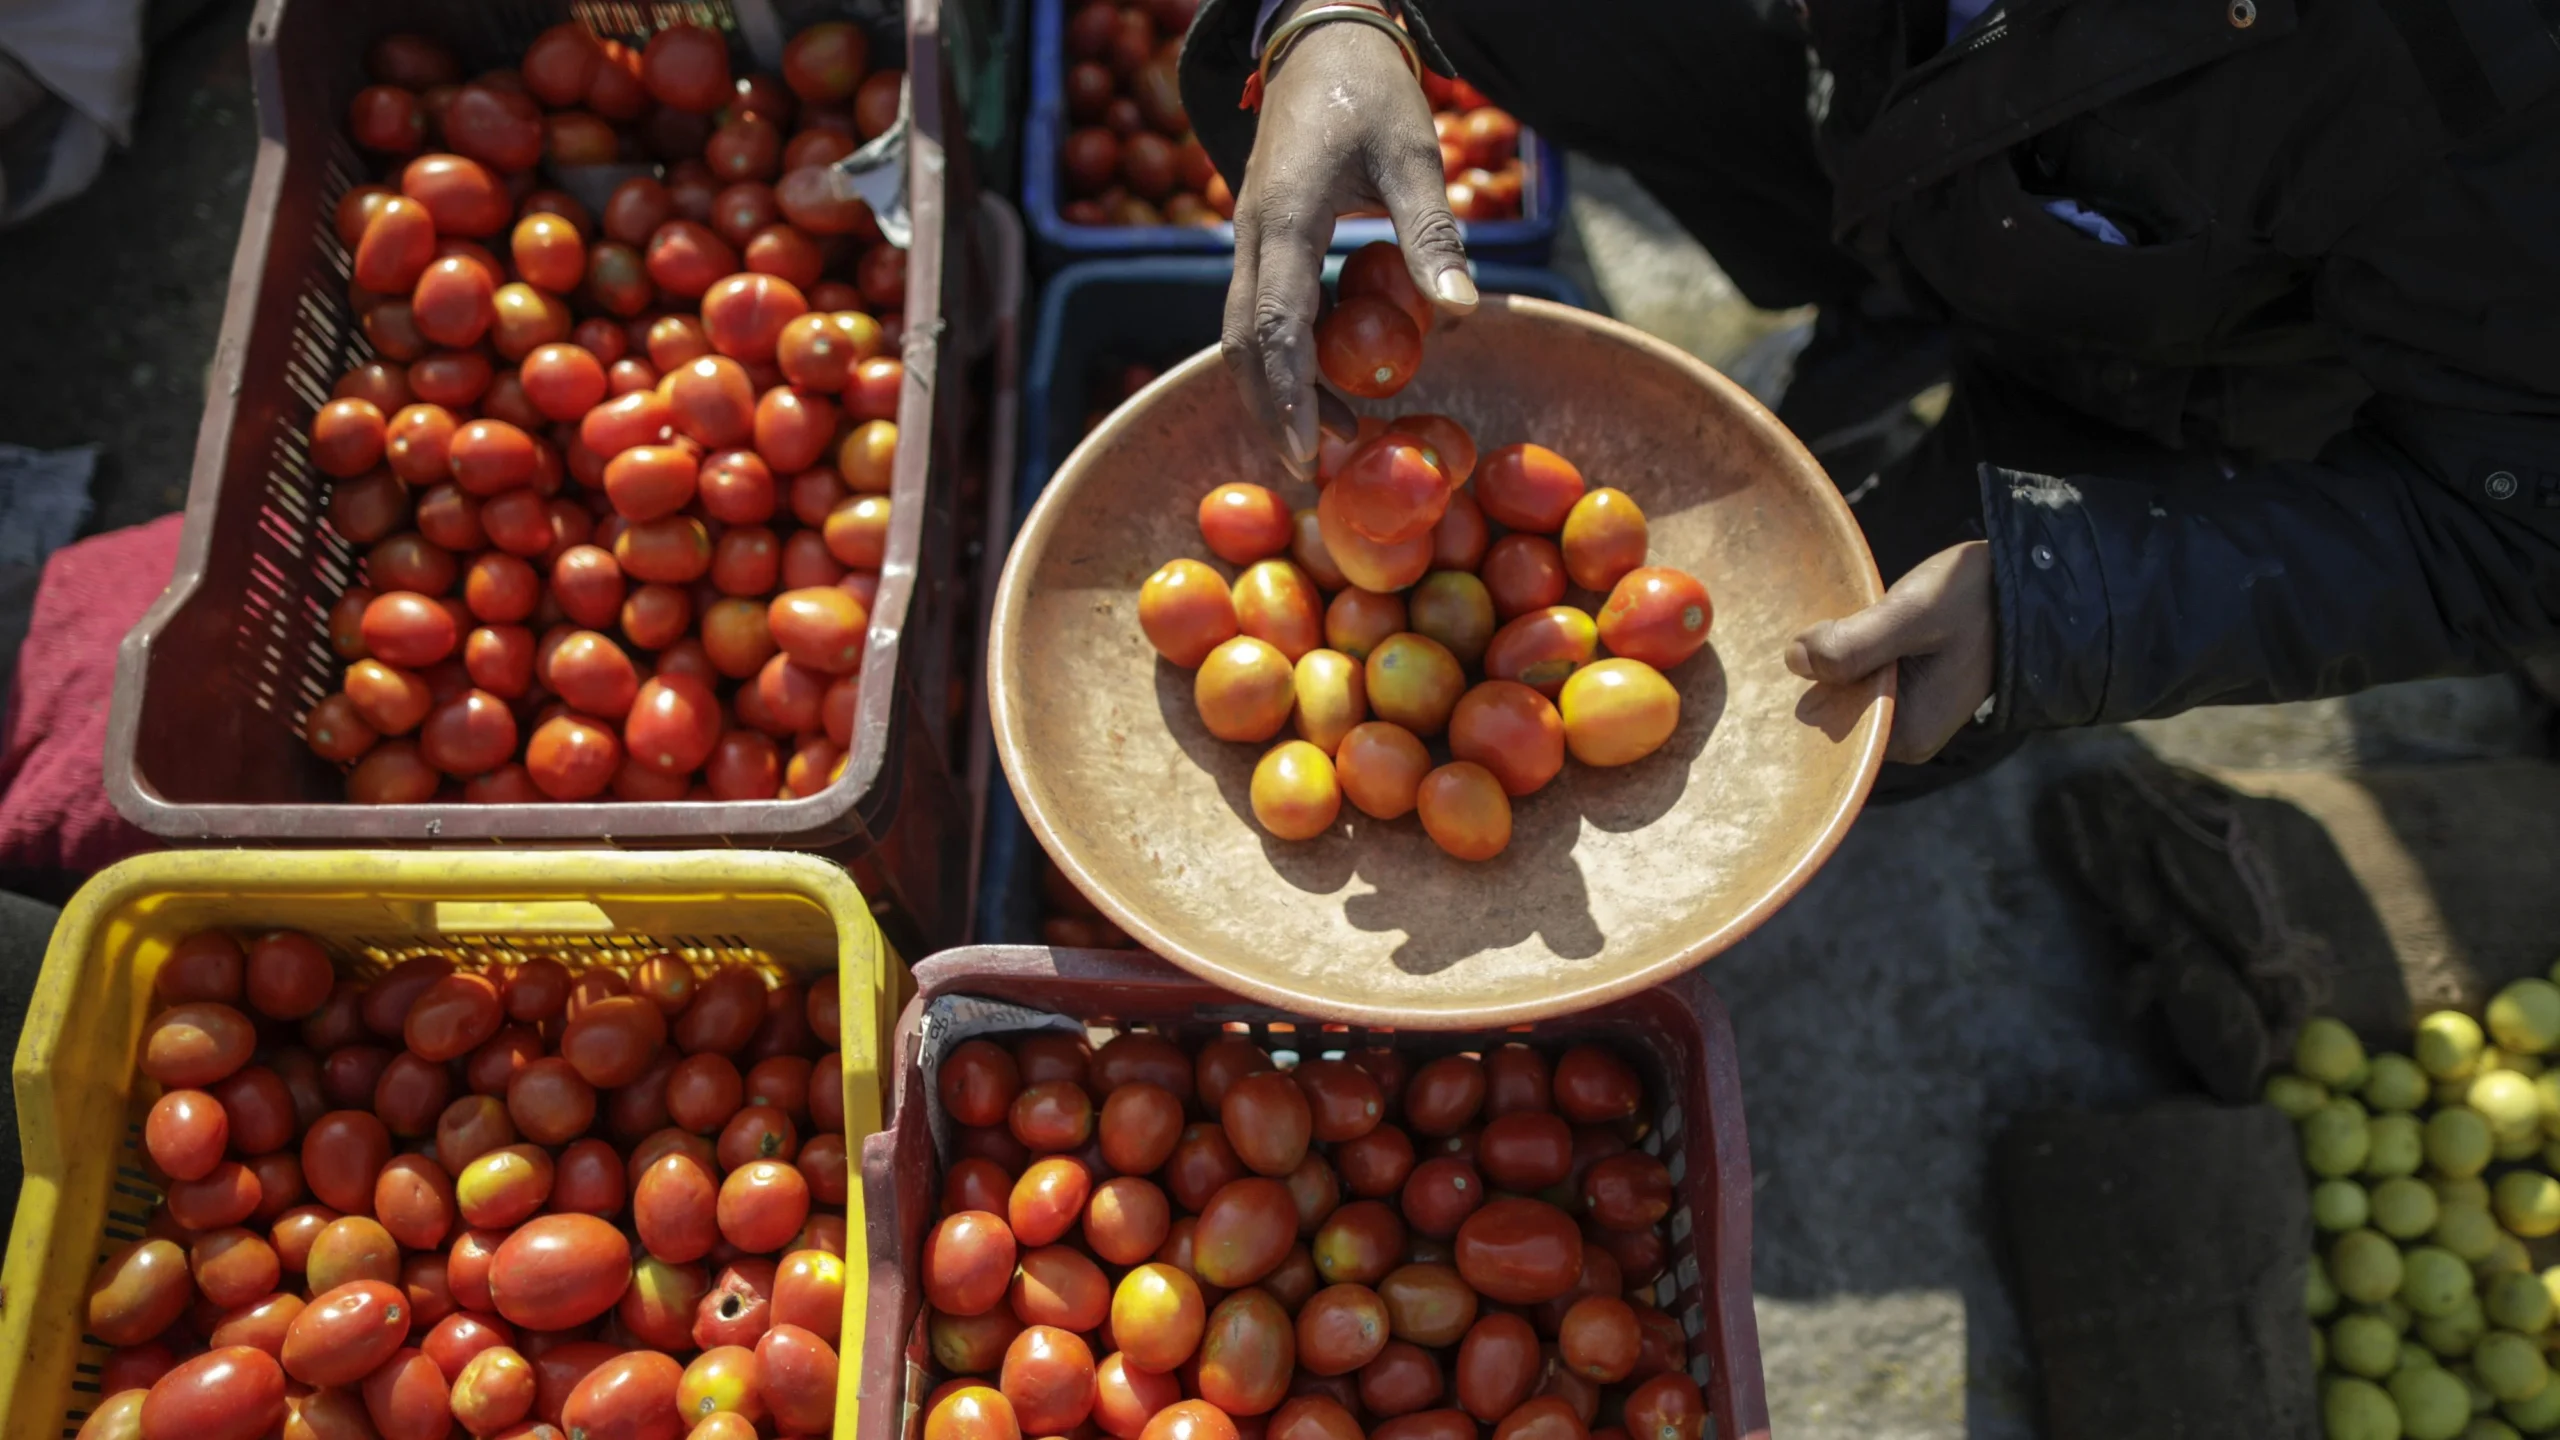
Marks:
<point>1529,239</point>
<point>204,742</point>
<point>1156,309</point>
<point>77,1086</point>
<point>1676,1035</point>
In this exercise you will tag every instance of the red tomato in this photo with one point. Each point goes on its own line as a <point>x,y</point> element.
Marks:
<point>1243,523</point>
<point>346,1333</point>
<point>612,1041</point>
<point>235,1393</point>
<point>1267,1120</point>
<point>1440,1194</point>
<point>1126,1220</point>
<point>341,1154</point>
<point>1627,1191</point>
<point>1376,1164</point>
<point>1048,1378</point>
<point>559,1270</point>
<point>1368,347</point>
<point>186,1134</point>
<point>1519,1251</point>
<point>1344,1101</point>
<point>970,1412</point>
<point>1525,1151</point>
<point>452,1017</point>
<point>1245,1231</point>
<point>686,67</point>
<point>1340,1329</point>
<point>968,1262</point>
<point>1497,1366</point>
<point>799,1379</point>
<point>629,1397</point>
<point>1667,1407</point>
<point>1593,1085</point>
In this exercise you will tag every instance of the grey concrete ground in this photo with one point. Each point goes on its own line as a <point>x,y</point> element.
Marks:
<point>1934,980</point>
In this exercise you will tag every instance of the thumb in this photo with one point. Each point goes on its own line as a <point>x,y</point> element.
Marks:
<point>1408,179</point>
<point>1843,651</point>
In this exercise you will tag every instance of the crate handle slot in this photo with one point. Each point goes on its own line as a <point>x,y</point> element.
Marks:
<point>503,917</point>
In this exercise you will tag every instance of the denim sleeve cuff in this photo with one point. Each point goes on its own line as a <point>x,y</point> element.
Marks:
<point>2050,600</point>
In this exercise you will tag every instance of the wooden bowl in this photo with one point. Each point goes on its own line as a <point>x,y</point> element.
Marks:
<point>1615,879</point>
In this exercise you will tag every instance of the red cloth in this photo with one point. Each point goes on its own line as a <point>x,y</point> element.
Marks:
<point>54,813</point>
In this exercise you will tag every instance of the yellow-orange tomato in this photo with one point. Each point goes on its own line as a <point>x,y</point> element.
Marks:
<point>1657,615</point>
<point>1604,538</point>
<point>1306,546</point>
<point>1445,443</point>
<point>1358,619</point>
<point>1455,609</point>
<point>1528,487</point>
<point>1186,611</point>
<point>1276,603</point>
<point>1510,730</point>
<point>1464,810</point>
<point>1245,690</point>
<point>1295,794</point>
<point>1379,766</point>
<point>1414,681</point>
<point>972,1412</point>
<point>868,457</point>
<point>1363,561</point>
<point>1542,648</point>
<point>1332,697</point>
<point>1618,711</point>
<point>1157,1317</point>
<point>1244,523</point>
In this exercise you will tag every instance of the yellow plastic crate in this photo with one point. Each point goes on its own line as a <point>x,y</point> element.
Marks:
<point>81,1102</point>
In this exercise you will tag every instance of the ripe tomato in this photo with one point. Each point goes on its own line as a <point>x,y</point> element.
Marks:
<point>1414,682</point>
<point>633,1394</point>
<point>612,1041</point>
<point>1523,574</point>
<point>1140,1124</point>
<point>1459,541</point>
<point>1394,492</point>
<point>1497,1366</point>
<point>821,627</point>
<point>1375,1165</point>
<point>571,757</point>
<point>341,1154</point>
<point>971,1412</point>
<point>977,1082</point>
<point>725,1012</point>
<point>968,1262</point>
<point>1052,1116</point>
<point>1547,1417</point>
<point>1512,731</point>
<point>494,1389</point>
<point>1525,1151</point>
<point>1616,712</point>
<point>674,1208</point>
<point>452,1016</point>
<point>1666,1407</point>
<point>556,1271</point>
<point>1126,1220</point>
<point>1358,1244</point>
<point>1275,602</point>
<point>793,429</point>
<point>1247,1351</point>
<point>799,1379</point>
<point>1245,1231</point>
<point>673,725</point>
<point>396,246</point>
<point>186,1133</point>
<point>1356,620</point>
<point>1157,1316</point>
<point>1059,1286</point>
<point>1125,1397</point>
<point>234,1393</point>
<point>1465,811</point>
<point>686,67</point>
<point>1243,523</point>
<point>138,1291</point>
<point>415,1201</point>
<point>1268,1121</point>
<point>1604,539</point>
<point>743,315</point>
<point>1340,1329</point>
<point>664,1302</point>
<point>1295,793</point>
<point>1528,488</point>
<point>1190,1420</point>
<point>1049,1199</point>
<point>1048,1379</point>
<point>1368,347</point>
<point>1186,611</point>
<point>1455,609</point>
<point>1402,1379</point>
<point>1600,1339</point>
<point>1315,1192</point>
<point>1362,561</point>
<point>971,1344</point>
<point>1519,1251</point>
<point>504,1185</point>
<point>1380,767</point>
<point>1657,615</point>
<point>346,1333</point>
<point>1627,1191</point>
<point>1137,1055</point>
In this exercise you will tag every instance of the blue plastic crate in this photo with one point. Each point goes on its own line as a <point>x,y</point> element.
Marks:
<point>1156,310</point>
<point>1528,240</point>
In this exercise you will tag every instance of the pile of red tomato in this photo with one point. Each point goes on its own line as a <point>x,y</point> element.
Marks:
<point>1151,1244</point>
<point>507,1200</point>
<point>1438,623</point>
<point>1132,159</point>
<point>621,481</point>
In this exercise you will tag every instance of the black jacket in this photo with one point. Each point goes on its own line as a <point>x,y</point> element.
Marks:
<point>2342,302</point>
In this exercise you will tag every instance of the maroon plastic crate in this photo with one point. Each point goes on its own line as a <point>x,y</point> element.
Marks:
<point>1676,1035</point>
<point>204,743</point>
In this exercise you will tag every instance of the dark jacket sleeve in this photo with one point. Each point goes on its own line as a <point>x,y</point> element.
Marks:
<point>1219,54</point>
<point>2425,541</point>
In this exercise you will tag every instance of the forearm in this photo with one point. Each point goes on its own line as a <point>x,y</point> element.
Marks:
<point>2119,601</point>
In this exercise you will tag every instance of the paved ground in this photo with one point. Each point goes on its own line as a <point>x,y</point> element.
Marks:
<point>1934,980</point>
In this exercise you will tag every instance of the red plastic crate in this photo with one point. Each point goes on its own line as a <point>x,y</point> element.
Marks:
<point>1677,1036</point>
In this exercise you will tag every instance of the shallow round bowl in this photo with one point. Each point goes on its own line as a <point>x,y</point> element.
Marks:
<point>1615,879</point>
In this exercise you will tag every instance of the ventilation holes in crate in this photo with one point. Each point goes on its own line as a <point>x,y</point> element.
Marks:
<point>578,952</point>
<point>634,21</point>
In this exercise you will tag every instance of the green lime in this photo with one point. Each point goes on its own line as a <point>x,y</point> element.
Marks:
<point>2403,1208</point>
<point>2465,1228</point>
<point>2362,1343</point>
<point>2449,1044</point>
<point>2395,1083</point>
<point>2336,1138</point>
<point>2510,1364</point>
<point>2535,1415</point>
<point>2392,1146</point>
<point>2546,1093</point>
<point>2354,1409</point>
<point>2506,1100</point>
<point>2528,1203</point>
<point>2319,1297</point>
<point>2340,1205</point>
<point>2550,1287</point>
<point>2489,1427</point>
<point>2433,1405</point>
<point>2469,1190</point>
<point>2433,1280</point>
<point>2525,1017</point>
<point>2507,1255</point>
<point>2452,1336</point>
<point>2329,1052</point>
<point>2365,1266</point>
<point>2516,1302</point>
<point>2457,1141</point>
<point>2294,1095</point>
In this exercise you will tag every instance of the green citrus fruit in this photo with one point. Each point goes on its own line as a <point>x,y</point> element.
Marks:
<point>2395,1084</point>
<point>2449,1044</point>
<point>2528,1203</point>
<point>2525,1017</point>
<point>2511,1365</point>
<point>2365,1266</point>
<point>2433,1280</point>
<point>2403,1208</point>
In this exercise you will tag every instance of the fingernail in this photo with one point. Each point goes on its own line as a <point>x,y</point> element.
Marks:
<point>1454,287</point>
<point>1800,659</point>
<point>1295,447</point>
